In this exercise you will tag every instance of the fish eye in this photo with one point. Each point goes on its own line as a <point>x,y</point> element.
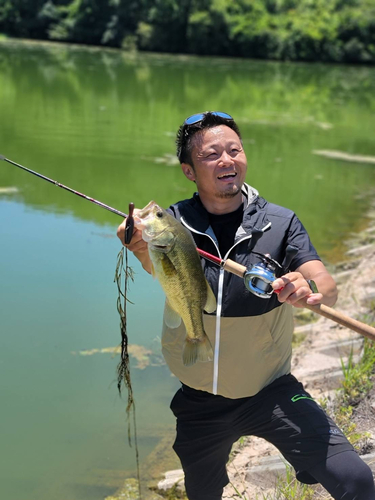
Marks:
<point>159,214</point>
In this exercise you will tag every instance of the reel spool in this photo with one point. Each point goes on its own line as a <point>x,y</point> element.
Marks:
<point>259,278</point>
<point>258,281</point>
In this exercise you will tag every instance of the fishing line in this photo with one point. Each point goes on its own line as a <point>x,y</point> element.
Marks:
<point>212,258</point>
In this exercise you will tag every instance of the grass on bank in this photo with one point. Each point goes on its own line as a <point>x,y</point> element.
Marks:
<point>288,488</point>
<point>358,381</point>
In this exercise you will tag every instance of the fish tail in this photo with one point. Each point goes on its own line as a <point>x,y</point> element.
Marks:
<point>197,350</point>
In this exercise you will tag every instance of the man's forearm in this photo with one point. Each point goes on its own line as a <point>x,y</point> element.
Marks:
<point>327,287</point>
<point>145,260</point>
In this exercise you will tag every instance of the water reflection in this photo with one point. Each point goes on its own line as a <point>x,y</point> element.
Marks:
<point>103,122</point>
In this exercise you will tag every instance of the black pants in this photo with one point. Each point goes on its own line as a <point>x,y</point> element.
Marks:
<point>285,415</point>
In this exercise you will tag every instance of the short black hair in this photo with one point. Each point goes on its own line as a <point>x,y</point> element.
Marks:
<point>186,133</point>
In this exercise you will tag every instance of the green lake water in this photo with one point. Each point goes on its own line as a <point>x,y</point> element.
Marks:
<point>103,122</point>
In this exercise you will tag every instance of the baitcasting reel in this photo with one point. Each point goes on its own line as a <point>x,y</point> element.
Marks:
<point>259,277</point>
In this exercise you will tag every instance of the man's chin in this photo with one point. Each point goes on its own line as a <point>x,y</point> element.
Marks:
<point>230,192</point>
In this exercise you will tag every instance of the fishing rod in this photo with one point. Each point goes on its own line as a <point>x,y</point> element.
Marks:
<point>58,184</point>
<point>258,279</point>
<point>336,316</point>
<point>130,220</point>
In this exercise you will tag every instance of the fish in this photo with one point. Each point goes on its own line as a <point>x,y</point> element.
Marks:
<point>176,264</point>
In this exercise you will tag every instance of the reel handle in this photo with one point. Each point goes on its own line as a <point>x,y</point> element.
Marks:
<point>290,252</point>
<point>256,234</point>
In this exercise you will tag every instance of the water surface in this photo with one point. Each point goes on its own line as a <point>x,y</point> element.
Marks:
<point>103,123</point>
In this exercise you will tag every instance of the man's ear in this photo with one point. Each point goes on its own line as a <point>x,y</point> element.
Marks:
<point>188,171</point>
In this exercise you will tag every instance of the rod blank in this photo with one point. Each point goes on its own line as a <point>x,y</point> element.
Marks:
<point>340,318</point>
<point>58,184</point>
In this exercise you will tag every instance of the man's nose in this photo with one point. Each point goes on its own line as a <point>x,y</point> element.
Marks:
<point>225,160</point>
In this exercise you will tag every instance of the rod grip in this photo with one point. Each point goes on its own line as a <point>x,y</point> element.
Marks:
<point>234,268</point>
<point>340,318</point>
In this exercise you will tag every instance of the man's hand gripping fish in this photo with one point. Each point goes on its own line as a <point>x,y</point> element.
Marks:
<point>176,264</point>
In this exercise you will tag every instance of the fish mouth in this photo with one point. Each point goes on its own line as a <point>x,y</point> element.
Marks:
<point>146,211</point>
<point>149,236</point>
<point>139,222</point>
<point>143,215</point>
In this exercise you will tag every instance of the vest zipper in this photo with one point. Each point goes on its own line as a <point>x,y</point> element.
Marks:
<point>215,378</point>
<point>182,220</point>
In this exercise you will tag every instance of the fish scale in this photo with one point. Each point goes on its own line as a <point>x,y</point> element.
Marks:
<point>177,266</point>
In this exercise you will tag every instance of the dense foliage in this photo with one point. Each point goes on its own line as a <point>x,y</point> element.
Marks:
<point>309,30</point>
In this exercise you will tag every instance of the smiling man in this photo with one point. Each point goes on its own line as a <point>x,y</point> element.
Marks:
<point>247,389</point>
<point>215,160</point>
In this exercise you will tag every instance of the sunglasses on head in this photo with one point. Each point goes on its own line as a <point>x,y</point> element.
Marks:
<point>191,120</point>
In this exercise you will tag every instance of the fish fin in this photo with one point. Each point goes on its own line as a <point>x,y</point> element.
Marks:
<point>153,273</point>
<point>171,318</point>
<point>168,267</point>
<point>210,305</point>
<point>197,350</point>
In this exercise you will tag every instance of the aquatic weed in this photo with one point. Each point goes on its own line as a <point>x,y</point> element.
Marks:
<point>124,273</point>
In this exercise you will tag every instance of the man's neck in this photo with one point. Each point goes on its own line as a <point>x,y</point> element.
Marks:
<point>219,206</point>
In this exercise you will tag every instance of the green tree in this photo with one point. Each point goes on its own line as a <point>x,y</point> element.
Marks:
<point>20,18</point>
<point>165,27</point>
<point>208,28</point>
<point>97,22</point>
<point>308,30</point>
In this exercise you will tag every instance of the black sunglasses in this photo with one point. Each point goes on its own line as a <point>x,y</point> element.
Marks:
<point>191,120</point>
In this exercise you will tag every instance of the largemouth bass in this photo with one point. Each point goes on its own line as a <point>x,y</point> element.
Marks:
<point>177,266</point>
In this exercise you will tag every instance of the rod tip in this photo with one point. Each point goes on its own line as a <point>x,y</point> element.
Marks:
<point>2,157</point>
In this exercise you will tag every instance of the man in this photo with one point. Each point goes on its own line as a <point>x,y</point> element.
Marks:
<point>248,388</point>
